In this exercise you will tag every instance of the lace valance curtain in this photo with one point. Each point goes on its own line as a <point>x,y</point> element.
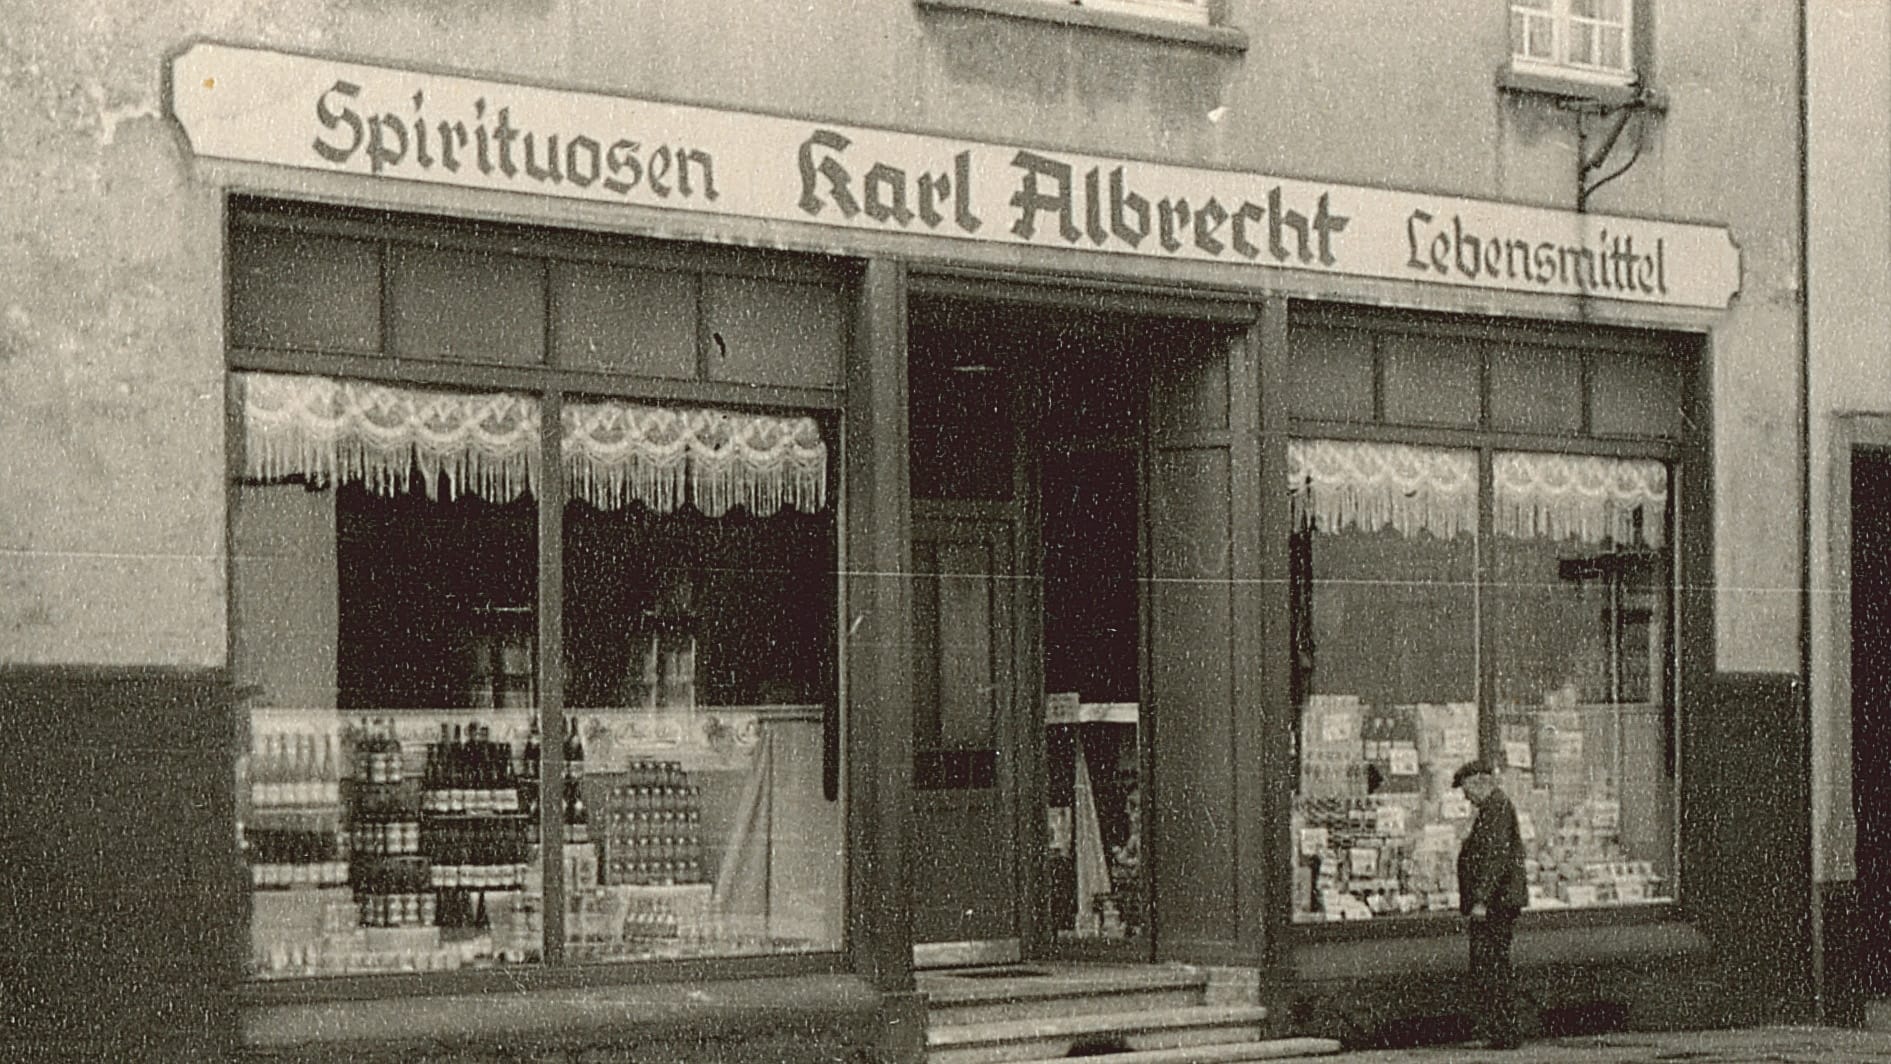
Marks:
<point>1338,484</point>
<point>1585,497</point>
<point>384,437</point>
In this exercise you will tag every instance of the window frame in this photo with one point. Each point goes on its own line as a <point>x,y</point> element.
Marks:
<point>1679,450</point>
<point>1560,63</point>
<point>1563,82</point>
<point>551,386</point>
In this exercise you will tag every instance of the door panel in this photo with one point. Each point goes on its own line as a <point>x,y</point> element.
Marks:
<point>964,756</point>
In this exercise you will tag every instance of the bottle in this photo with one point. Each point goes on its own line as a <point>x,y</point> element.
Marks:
<point>527,783</point>
<point>330,791</point>
<point>574,749</point>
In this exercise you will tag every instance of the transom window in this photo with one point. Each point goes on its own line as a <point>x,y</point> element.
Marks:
<point>1591,39</point>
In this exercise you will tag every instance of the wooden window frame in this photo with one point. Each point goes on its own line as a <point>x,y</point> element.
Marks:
<point>552,386</point>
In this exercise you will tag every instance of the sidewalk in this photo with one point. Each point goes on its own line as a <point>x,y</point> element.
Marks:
<point>1774,1045</point>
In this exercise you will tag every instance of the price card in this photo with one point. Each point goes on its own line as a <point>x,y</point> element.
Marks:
<point>1455,806</point>
<point>1437,838</point>
<point>1060,707</point>
<point>1058,825</point>
<point>1392,820</point>
<point>1517,753</point>
<point>1339,724</point>
<point>1526,827</point>
<point>1363,862</point>
<point>1606,814</point>
<point>1404,759</point>
<point>1312,842</point>
<point>1460,742</point>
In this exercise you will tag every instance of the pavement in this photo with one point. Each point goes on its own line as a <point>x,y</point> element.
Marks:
<point>1770,1045</point>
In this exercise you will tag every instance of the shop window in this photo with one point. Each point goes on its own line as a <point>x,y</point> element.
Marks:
<point>465,306</point>
<point>621,320</point>
<point>1428,382</point>
<point>1398,605</point>
<point>773,332</point>
<point>1384,621</point>
<point>1634,394</point>
<point>401,756</point>
<point>315,293</point>
<point>1580,599</point>
<point>1583,39</point>
<point>1332,375</point>
<point>1535,389</point>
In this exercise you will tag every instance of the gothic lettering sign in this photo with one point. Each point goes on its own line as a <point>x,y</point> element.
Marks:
<point>320,114</point>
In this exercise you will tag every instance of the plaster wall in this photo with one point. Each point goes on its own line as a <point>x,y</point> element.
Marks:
<point>1848,61</point>
<point>111,529</point>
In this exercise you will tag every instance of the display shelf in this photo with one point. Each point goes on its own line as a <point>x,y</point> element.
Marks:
<point>435,861</point>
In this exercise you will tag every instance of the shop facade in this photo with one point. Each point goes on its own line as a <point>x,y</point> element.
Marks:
<point>579,557</point>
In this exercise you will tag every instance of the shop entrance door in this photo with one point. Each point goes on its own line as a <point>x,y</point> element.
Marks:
<point>965,737</point>
<point>1871,714</point>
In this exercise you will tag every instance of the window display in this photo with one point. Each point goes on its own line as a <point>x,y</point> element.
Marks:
<point>1580,596</point>
<point>385,616</point>
<point>1384,620</point>
<point>1390,587</point>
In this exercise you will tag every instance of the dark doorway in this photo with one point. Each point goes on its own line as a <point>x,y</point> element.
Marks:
<point>1871,713</point>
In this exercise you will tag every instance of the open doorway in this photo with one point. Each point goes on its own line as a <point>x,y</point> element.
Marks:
<point>1871,713</point>
<point>1030,433</point>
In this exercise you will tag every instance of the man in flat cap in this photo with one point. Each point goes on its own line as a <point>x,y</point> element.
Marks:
<point>1492,889</point>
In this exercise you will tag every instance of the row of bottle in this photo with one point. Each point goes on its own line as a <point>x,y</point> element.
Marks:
<point>404,909</point>
<point>665,862</point>
<point>268,875</point>
<point>288,769</point>
<point>447,909</point>
<point>306,768</point>
<point>471,773</point>
<point>378,757</point>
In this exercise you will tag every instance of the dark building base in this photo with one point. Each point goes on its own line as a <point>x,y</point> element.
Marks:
<point>124,888</point>
<point>1402,992</point>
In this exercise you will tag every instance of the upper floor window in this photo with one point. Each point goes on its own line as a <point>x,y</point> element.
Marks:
<point>1592,39</point>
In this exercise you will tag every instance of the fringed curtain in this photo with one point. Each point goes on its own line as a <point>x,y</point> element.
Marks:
<point>1588,498</point>
<point>380,436</point>
<point>1370,486</point>
<point>616,453</point>
<point>487,445</point>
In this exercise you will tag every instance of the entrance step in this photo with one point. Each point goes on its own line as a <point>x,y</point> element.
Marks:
<point>1023,992</point>
<point>1228,1053</point>
<point>1098,1034</point>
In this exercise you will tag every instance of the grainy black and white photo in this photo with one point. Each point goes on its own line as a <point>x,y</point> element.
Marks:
<point>945,531</point>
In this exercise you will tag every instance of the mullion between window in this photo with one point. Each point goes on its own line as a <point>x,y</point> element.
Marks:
<point>551,652</point>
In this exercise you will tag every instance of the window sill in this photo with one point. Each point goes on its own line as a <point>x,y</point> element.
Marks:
<point>1610,94</point>
<point>1214,38</point>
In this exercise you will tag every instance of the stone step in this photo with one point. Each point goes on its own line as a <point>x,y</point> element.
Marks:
<point>966,998</point>
<point>1225,1053</point>
<point>1089,1035</point>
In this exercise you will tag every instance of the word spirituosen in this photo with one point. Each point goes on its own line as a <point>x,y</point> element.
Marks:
<point>491,144</point>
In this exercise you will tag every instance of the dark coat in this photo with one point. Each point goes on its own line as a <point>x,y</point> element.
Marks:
<point>1490,863</point>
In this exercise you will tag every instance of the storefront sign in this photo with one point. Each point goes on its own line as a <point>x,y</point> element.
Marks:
<point>319,114</point>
